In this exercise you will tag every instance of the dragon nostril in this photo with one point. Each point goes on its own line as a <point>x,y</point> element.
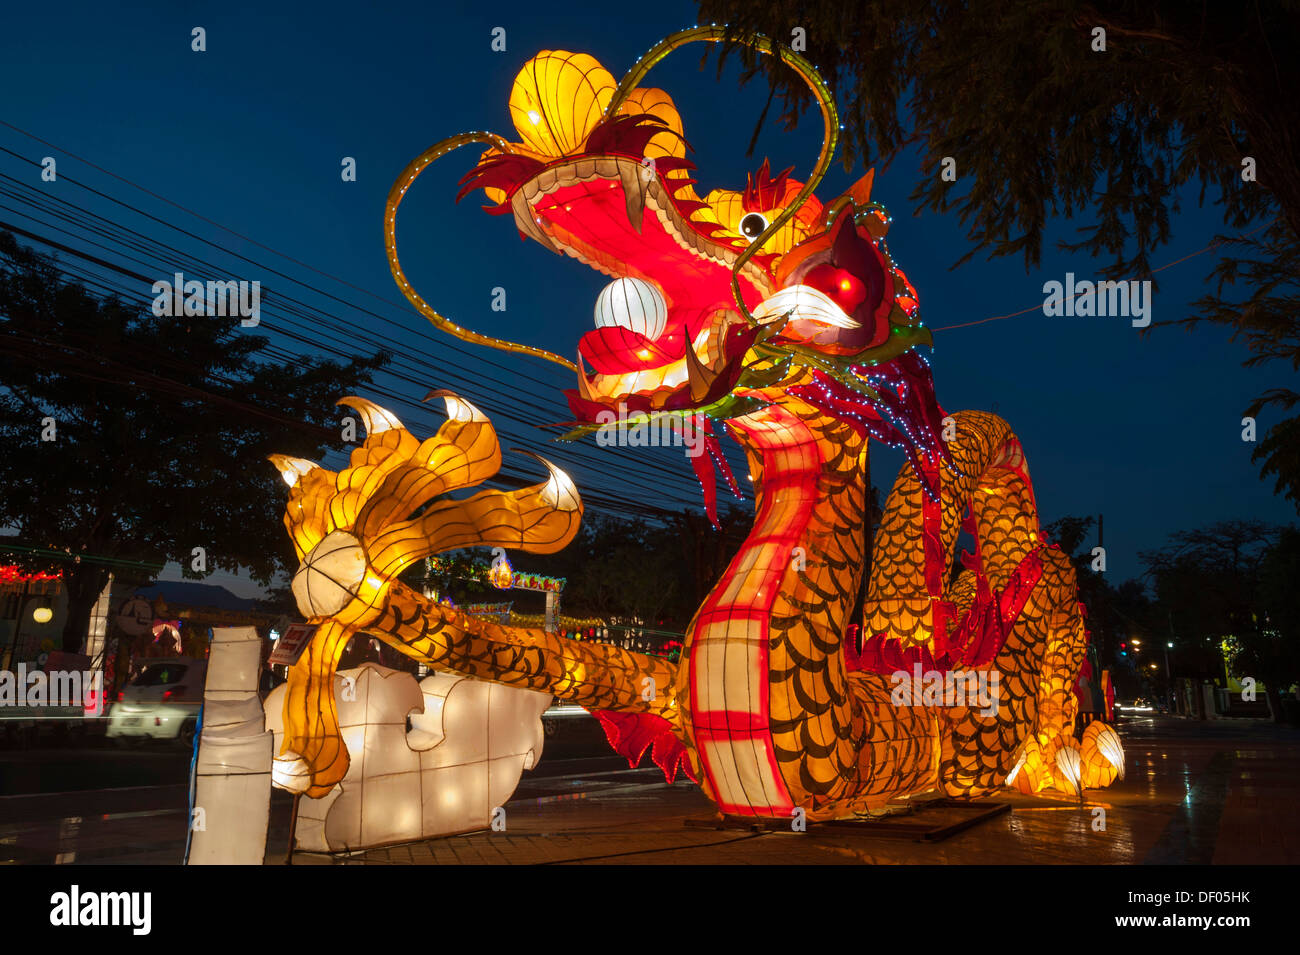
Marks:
<point>633,304</point>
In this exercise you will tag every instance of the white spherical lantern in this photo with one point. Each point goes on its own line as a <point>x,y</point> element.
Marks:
<point>634,304</point>
<point>329,576</point>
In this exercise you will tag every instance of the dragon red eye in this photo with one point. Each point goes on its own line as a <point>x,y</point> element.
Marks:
<point>840,285</point>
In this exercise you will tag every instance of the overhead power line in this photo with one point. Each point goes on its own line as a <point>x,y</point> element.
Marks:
<point>680,486</point>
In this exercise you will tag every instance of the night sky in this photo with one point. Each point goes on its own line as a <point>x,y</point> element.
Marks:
<point>251,134</point>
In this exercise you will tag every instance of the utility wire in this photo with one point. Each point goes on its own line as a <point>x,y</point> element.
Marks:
<point>388,344</point>
<point>442,342</point>
<point>130,292</point>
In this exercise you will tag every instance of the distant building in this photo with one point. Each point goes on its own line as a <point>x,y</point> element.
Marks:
<point>195,607</point>
<point>33,608</point>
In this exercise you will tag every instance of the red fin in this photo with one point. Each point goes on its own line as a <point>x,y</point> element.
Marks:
<point>631,733</point>
<point>704,473</point>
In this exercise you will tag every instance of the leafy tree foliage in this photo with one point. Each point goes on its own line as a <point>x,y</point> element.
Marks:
<point>1275,647</point>
<point>658,573</point>
<point>616,569</point>
<point>161,429</point>
<point>1228,582</point>
<point>1208,577</point>
<point>1040,123</point>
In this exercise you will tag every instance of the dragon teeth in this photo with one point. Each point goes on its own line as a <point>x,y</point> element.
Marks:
<point>634,193</point>
<point>641,190</point>
<point>525,222</point>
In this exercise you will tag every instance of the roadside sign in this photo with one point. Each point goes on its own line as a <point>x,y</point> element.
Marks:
<point>292,642</point>
<point>135,616</point>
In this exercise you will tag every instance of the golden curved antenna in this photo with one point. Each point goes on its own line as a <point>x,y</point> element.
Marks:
<point>395,195</point>
<point>833,210</point>
<point>716,34</point>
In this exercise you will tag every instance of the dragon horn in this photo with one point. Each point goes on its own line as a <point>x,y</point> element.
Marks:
<point>717,34</point>
<point>559,491</point>
<point>458,409</point>
<point>395,195</point>
<point>291,468</point>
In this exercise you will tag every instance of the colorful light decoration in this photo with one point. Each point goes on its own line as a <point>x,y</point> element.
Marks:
<point>502,575</point>
<point>540,582</point>
<point>582,627</point>
<point>13,574</point>
<point>499,609</point>
<point>787,324</point>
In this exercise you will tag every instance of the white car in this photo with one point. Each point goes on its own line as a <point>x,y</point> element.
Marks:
<point>161,702</point>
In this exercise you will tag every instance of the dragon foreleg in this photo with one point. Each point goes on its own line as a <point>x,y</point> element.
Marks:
<point>595,675</point>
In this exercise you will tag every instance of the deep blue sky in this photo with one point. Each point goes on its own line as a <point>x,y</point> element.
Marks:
<point>251,134</point>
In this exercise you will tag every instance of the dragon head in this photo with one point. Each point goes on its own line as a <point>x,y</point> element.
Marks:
<point>718,305</point>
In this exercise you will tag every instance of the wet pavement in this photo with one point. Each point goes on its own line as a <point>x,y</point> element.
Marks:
<point>1194,792</point>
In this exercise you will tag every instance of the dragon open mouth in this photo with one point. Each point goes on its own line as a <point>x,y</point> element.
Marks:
<point>623,221</point>
<point>671,337</point>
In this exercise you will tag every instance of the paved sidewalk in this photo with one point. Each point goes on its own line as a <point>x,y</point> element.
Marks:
<point>1198,793</point>
<point>1193,793</point>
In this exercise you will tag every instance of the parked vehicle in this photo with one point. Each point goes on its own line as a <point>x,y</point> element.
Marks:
<point>69,710</point>
<point>161,702</point>
<point>26,726</point>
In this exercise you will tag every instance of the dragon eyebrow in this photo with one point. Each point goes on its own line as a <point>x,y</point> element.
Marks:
<point>763,191</point>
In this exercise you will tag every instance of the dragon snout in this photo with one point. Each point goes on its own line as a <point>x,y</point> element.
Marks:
<point>330,575</point>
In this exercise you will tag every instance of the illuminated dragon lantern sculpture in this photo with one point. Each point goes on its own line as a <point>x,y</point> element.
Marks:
<point>785,322</point>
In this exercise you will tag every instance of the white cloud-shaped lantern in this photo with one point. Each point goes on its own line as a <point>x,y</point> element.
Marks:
<point>468,744</point>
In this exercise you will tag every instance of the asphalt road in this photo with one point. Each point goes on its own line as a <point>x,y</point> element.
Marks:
<point>91,800</point>
<point>53,765</point>
<point>69,769</point>
<point>1217,792</point>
